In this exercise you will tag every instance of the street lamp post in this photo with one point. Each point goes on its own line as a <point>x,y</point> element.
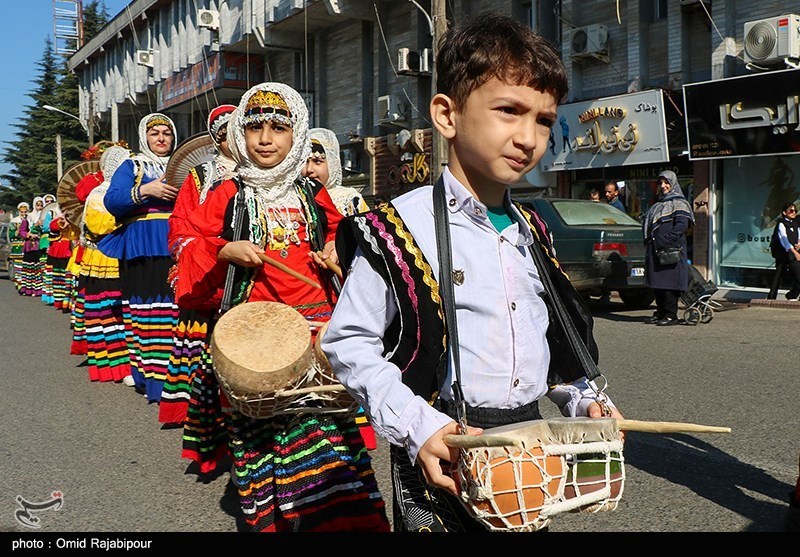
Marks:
<point>58,136</point>
<point>65,113</point>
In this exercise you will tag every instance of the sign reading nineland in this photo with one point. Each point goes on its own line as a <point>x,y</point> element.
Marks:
<point>611,131</point>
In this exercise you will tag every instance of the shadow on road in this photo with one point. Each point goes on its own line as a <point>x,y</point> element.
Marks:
<point>714,475</point>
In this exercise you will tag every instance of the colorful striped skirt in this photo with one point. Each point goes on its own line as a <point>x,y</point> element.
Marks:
<point>106,345</point>
<point>151,315</point>
<point>305,473</point>
<point>47,281</point>
<point>76,317</point>
<point>189,350</point>
<point>60,282</point>
<point>31,269</point>
<point>205,438</point>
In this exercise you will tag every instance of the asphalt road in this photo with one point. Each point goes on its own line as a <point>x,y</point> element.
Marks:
<point>101,447</point>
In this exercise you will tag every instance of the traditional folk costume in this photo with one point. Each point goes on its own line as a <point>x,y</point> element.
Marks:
<point>32,266</point>
<point>348,201</point>
<point>304,472</point>
<point>191,386</point>
<point>59,253</point>
<point>78,295</point>
<point>140,245</point>
<point>47,219</point>
<point>17,241</point>
<point>107,349</point>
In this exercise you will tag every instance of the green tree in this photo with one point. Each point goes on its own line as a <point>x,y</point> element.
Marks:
<point>31,155</point>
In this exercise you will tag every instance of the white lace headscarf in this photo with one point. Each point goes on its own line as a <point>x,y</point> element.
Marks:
<point>146,155</point>
<point>50,198</point>
<point>18,218</point>
<point>34,213</point>
<point>111,159</point>
<point>217,120</point>
<point>329,142</point>
<point>270,187</point>
<point>348,201</point>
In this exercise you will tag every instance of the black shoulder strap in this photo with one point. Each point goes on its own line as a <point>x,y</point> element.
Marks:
<point>227,294</point>
<point>562,315</point>
<point>443,248</point>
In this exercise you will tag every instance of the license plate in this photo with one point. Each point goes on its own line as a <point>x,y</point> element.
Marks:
<point>637,272</point>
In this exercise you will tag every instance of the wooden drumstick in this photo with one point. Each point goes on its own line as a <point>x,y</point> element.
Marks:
<point>277,264</point>
<point>669,427</point>
<point>474,441</point>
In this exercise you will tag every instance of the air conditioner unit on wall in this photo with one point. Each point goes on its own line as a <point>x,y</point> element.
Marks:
<point>389,110</point>
<point>208,19</point>
<point>407,61</point>
<point>590,42</point>
<point>772,40</point>
<point>144,58</point>
<point>426,61</point>
<point>411,62</point>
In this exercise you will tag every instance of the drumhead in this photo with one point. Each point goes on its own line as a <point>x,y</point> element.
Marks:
<point>258,348</point>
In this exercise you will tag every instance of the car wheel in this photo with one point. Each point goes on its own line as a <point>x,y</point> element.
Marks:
<point>637,299</point>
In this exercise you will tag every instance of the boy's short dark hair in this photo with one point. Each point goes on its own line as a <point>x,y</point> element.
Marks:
<point>496,45</point>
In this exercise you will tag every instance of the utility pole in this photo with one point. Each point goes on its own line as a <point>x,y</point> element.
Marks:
<point>439,145</point>
<point>90,123</point>
<point>59,162</point>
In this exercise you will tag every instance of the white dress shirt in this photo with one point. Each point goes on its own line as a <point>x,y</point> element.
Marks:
<point>502,321</point>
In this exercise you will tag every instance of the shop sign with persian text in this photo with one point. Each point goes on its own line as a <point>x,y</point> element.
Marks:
<point>611,131</point>
<point>746,116</point>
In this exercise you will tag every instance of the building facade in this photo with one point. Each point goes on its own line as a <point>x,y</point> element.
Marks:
<point>366,69</point>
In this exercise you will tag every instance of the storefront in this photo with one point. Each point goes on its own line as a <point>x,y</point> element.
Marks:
<point>749,127</point>
<point>399,162</point>
<point>622,139</point>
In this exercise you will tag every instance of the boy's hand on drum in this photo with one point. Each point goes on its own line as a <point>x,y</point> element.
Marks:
<point>596,411</point>
<point>243,252</point>
<point>434,451</point>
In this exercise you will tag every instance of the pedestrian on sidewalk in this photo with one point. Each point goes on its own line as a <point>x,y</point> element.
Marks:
<point>664,227</point>
<point>785,248</point>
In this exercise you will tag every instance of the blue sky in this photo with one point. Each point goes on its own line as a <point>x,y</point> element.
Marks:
<point>24,28</point>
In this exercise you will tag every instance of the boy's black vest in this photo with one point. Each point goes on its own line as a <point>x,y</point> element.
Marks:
<point>778,251</point>
<point>415,341</point>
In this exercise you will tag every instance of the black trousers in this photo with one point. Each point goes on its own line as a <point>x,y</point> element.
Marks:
<point>780,267</point>
<point>667,303</point>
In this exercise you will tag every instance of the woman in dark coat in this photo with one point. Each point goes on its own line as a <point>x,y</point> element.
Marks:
<point>665,226</point>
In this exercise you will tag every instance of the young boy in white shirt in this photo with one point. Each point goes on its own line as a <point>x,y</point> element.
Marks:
<point>499,87</point>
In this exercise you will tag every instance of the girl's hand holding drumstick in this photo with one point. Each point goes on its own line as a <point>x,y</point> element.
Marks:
<point>247,254</point>
<point>328,259</point>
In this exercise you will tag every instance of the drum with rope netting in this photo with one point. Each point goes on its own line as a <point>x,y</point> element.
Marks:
<point>515,478</point>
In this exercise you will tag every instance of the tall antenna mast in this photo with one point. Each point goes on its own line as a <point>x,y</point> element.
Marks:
<point>67,26</point>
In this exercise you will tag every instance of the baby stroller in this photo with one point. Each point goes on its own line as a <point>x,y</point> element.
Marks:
<point>697,302</point>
